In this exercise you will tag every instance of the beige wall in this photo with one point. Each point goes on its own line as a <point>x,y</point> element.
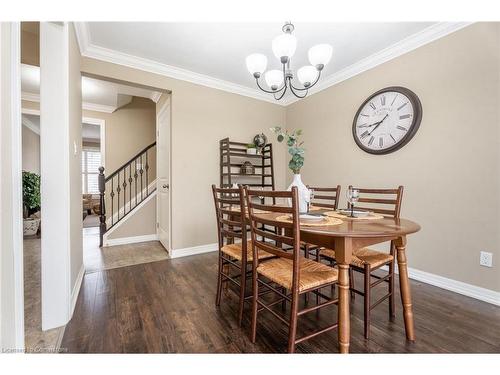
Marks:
<point>30,43</point>
<point>201,116</point>
<point>128,130</point>
<point>31,151</point>
<point>450,169</point>
<point>141,224</point>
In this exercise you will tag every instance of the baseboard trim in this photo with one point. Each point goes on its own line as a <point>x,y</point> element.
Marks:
<point>469,290</point>
<point>76,290</point>
<point>129,240</point>
<point>195,250</point>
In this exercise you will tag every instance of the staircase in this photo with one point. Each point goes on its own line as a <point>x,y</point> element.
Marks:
<point>123,191</point>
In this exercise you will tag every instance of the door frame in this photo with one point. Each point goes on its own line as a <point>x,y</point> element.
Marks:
<point>102,135</point>
<point>160,112</point>
<point>14,80</point>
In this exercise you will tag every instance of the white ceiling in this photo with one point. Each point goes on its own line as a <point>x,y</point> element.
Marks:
<point>219,50</point>
<point>104,94</point>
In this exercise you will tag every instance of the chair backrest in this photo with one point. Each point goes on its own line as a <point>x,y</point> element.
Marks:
<point>325,197</point>
<point>229,204</point>
<point>383,201</point>
<point>284,234</point>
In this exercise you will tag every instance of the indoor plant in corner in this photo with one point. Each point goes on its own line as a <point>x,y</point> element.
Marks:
<point>31,202</point>
<point>295,164</point>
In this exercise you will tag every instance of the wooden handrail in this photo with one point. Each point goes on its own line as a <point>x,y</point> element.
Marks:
<point>130,161</point>
<point>121,187</point>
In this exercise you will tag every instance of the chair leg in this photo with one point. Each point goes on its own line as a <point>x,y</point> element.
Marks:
<point>332,288</point>
<point>243,279</point>
<point>219,282</point>
<point>283,303</point>
<point>306,255</point>
<point>255,288</point>
<point>392,305</point>
<point>317,296</point>
<point>292,332</point>
<point>367,300</point>
<point>351,283</point>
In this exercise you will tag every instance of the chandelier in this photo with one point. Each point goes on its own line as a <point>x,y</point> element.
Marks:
<point>279,81</point>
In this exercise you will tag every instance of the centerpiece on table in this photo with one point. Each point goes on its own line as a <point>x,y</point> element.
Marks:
<point>296,150</point>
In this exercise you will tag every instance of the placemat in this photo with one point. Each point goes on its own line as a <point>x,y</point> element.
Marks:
<point>326,221</point>
<point>338,215</point>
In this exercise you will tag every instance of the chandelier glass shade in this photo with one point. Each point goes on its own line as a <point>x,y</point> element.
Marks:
<point>279,81</point>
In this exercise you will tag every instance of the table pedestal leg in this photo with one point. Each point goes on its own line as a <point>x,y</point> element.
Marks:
<point>404,286</point>
<point>344,317</point>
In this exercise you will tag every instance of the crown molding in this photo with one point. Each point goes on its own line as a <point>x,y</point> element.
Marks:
<point>34,97</point>
<point>90,50</point>
<point>155,96</point>
<point>406,45</point>
<point>98,107</point>
<point>30,125</point>
<point>30,97</point>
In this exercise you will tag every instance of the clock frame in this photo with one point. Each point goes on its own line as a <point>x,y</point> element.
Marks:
<point>417,118</point>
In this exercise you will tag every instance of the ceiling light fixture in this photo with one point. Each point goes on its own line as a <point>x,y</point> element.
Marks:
<point>279,81</point>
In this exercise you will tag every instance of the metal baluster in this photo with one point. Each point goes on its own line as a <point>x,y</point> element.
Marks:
<point>124,191</point>
<point>112,199</point>
<point>118,189</point>
<point>141,171</point>
<point>130,184</point>
<point>147,167</point>
<point>135,178</point>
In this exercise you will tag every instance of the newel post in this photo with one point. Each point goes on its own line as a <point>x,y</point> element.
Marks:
<point>102,208</point>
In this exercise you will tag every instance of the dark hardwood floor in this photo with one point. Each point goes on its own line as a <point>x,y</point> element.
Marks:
<point>168,307</point>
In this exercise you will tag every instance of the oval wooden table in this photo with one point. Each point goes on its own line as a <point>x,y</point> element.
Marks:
<point>352,235</point>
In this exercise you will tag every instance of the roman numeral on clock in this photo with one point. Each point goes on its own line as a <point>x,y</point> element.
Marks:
<point>382,99</point>
<point>371,140</point>
<point>372,105</point>
<point>401,128</point>
<point>404,116</point>
<point>402,106</point>
<point>381,142</point>
<point>364,134</point>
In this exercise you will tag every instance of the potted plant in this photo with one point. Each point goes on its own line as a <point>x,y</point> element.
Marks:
<point>31,202</point>
<point>296,151</point>
<point>251,149</point>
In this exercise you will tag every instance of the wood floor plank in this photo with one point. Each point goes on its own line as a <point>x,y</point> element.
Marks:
<point>169,307</point>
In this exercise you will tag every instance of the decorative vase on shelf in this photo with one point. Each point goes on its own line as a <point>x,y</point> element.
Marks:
<point>303,193</point>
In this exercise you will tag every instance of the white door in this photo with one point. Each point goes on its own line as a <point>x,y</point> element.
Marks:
<point>163,176</point>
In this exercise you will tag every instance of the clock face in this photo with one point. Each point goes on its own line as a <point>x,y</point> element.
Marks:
<point>387,120</point>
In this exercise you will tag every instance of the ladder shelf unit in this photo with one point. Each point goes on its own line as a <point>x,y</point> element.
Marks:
<point>234,154</point>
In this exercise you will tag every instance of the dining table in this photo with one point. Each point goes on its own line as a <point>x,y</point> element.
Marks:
<point>346,238</point>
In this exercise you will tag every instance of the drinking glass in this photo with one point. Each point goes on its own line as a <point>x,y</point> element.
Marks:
<point>311,197</point>
<point>352,198</point>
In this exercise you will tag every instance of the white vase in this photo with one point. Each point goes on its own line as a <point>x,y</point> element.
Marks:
<point>303,192</point>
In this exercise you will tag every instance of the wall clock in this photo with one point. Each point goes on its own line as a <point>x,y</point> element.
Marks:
<point>387,120</point>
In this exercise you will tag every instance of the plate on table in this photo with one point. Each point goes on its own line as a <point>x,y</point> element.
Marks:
<point>356,213</point>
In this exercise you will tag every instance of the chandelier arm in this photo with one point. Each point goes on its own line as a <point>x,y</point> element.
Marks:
<point>268,91</point>
<point>282,94</point>
<point>307,88</point>
<point>297,95</point>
